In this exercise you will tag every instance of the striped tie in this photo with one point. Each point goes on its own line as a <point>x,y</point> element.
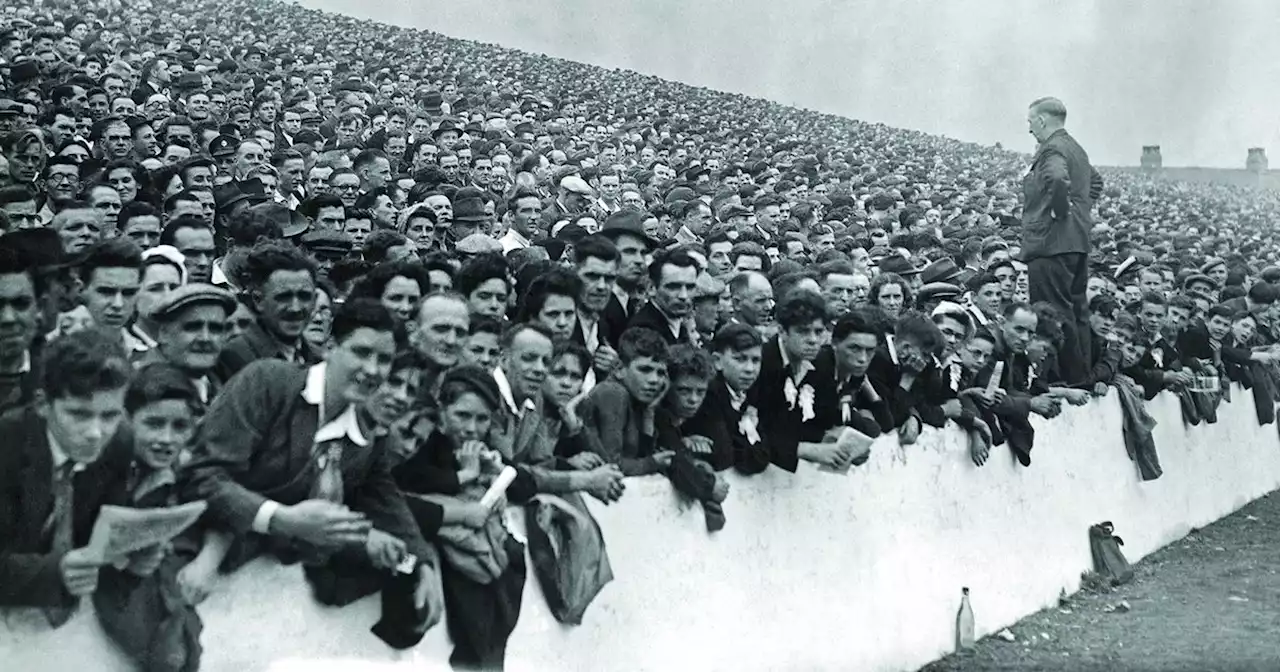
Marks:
<point>59,530</point>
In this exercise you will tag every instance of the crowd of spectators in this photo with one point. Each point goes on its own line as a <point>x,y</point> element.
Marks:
<point>334,278</point>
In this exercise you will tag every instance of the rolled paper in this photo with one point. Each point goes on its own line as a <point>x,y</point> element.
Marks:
<point>499,487</point>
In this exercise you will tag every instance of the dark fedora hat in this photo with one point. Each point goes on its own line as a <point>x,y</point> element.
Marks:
<point>942,270</point>
<point>896,263</point>
<point>627,221</point>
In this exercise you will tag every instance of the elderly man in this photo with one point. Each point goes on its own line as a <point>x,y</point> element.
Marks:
<point>1060,189</point>
<point>192,326</point>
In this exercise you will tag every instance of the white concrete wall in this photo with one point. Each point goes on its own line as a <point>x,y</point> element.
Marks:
<point>813,571</point>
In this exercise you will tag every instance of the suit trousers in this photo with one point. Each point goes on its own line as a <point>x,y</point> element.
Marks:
<point>1061,281</point>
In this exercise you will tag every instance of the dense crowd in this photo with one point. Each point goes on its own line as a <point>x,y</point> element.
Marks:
<point>337,279</point>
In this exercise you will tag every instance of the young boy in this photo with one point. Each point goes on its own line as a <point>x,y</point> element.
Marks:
<point>692,471</point>
<point>58,473</point>
<point>726,417</point>
<point>618,415</point>
<point>483,346</point>
<point>798,399</point>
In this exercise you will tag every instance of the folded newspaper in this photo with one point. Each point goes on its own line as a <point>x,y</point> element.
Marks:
<point>121,530</point>
<point>858,445</point>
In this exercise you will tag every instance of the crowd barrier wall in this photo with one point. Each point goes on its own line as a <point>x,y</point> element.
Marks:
<point>813,571</point>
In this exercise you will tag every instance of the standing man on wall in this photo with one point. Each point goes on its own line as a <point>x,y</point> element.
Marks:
<point>1059,189</point>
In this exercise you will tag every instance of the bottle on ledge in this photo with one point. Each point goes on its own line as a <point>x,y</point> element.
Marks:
<point>964,623</point>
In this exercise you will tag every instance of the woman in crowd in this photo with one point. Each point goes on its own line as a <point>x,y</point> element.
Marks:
<point>482,569</point>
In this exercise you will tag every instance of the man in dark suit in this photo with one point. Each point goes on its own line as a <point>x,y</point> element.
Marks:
<point>726,417</point>
<point>596,263</point>
<point>798,401</point>
<point>57,472</point>
<point>674,275</point>
<point>1060,189</point>
<point>282,291</point>
<point>285,461</point>
<point>626,229</point>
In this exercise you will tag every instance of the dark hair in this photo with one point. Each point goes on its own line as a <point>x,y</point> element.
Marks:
<point>883,279</point>
<point>471,379</point>
<point>17,193</point>
<point>362,312</point>
<point>1263,293</point>
<point>642,342</point>
<point>380,242</point>
<point>595,246</point>
<point>269,256</point>
<point>800,308</point>
<point>83,363</point>
<point>110,253</point>
<point>1153,298</point>
<point>750,249</point>
<point>687,361</point>
<point>374,283</point>
<point>558,281</point>
<point>575,350</point>
<point>678,257</point>
<point>136,209</point>
<point>170,231</point>
<point>171,203</point>
<point>857,321</point>
<point>479,270</point>
<point>1104,305</point>
<point>919,328</point>
<point>736,337</point>
<point>158,382</point>
<point>367,158</point>
<point>483,324</point>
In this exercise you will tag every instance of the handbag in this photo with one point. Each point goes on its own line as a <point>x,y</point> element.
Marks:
<point>568,553</point>
<point>1108,561</point>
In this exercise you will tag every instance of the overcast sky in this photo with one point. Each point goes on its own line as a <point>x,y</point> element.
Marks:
<point>1197,78</point>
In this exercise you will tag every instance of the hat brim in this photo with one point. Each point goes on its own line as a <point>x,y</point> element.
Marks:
<point>612,234</point>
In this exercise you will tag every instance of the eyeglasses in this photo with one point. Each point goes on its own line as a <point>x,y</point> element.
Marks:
<point>58,178</point>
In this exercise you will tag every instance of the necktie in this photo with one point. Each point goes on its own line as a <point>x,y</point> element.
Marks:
<point>328,485</point>
<point>59,530</point>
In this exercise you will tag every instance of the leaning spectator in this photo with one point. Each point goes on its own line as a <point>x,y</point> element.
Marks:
<point>346,498</point>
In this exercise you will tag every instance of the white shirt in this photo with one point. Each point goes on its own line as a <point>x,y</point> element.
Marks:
<point>346,425</point>
<point>513,241</point>
<point>60,456</point>
<point>590,331</point>
<point>508,396</point>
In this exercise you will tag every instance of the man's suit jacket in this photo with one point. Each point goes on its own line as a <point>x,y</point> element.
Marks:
<point>604,333</point>
<point>1059,189</point>
<point>29,573</point>
<point>650,317</point>
<point>781,426</point>
<point>256,443</point>
<point>253,345</point>
<point>718,421</point>
<point>615,317</point>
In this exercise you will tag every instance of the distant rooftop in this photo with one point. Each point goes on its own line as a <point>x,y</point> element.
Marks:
<point>1269,179</point>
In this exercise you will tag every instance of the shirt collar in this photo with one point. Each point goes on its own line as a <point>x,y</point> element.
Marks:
<point>805,367</point>
<point>508,396</point>
<point>346,425</point>
<point>623,297</point>
<point>684,235</point>
<point>516,237</point>
<point>736,399</point>
<point>60,456</point>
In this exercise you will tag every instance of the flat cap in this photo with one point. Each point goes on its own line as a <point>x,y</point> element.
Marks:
<point>478,243</point>
<point>191,294</point>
